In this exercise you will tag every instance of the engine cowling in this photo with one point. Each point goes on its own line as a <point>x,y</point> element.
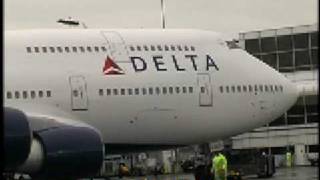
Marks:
<point>58,151</point>
<point>70,152</point>
<point>17,138</point>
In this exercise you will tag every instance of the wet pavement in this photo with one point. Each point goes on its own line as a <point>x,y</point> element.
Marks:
<point>294,173</point>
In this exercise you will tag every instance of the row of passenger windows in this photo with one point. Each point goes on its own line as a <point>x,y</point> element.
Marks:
<point>146,91</point>
<point>28,94</point>
<point>161,48</point>
<point>251,88</point>
<point>75,49</point>
<point>66,49</point>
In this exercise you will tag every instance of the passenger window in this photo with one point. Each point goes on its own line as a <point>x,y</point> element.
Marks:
<point>157,90</point>
<point>177,90</point>
<point>146,48</point>
<point>144,91</point>
<point>96,48</point>
<point>190,89</point>
<point>239,88</point>
<point>166,48</point>
<point>179,48</point>
<point>186,48</point>
<point>276,88</point>
<point>172,48</point>
<point>115,92</point>
<point>81,48</point>
<point>202,89</point>
<point>266,89</point>
<point>66,49</point>
<point>153,48</point>
<point>150,90</point>
<point>17,94</point>
<point>24,94</point>
<point>261,88</point>
<point>74,49</point>
<point>159,48</point>
<point>75,93</point>
<point>164,90</point>
<point>192,48</point>
<point>227,89</point>
<point>255,88</point>
<point>48,93</point>
<point>108,92</point>
<point>59,49</point>
<point>233,89</point>
<point>281,88</point>
<point>138,48</point>
<point>271,88</point>
<point>131,48</point>
<point>122,91</point>
<point>89,49</point>
<point>136,91</point>
<point>9,95</point>
<point>130,91</point>
<point>244,88</point>
<point>171,90</point>
<point>250,88</point>
<point>100,92</point>
<point>52,49</point>
<point>221,89</point>
<point>29,49</point>
<point>104,49</point>
<point>33,94</point>
<point>36,49</point>
<point>44,49</point>
<point>184,89</point>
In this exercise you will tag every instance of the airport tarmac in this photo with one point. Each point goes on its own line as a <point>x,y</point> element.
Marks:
<point>294,173</point>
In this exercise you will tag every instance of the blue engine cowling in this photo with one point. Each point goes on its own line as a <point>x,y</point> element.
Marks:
<point>17,138</point>
<point>58,151</point>
<point>70,152</point>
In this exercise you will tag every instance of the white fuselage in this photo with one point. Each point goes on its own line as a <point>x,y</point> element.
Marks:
<point>78,84</point>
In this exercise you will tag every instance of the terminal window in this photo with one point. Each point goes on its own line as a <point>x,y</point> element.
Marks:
<point>270,59</point>
<point>301,40</point>
<point>302,60</point>
<point>315,58</point>
<point>285,61</point>
<point>284,43</point>
<point>314,39</point>
<point>268,44</point>
<point>252,46</point>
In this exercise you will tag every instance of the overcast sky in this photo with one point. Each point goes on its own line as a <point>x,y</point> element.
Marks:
<point>228,16</point>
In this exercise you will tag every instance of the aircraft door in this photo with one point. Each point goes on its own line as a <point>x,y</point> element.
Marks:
<point>79,97</point>
<point>116,46</point>
<point>205,89</point>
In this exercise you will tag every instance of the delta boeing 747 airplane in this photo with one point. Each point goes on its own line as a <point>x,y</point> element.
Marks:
<point>73,95</point>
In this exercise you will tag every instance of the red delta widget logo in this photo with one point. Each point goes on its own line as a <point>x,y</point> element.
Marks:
<point>140,64</point>
<point>111,67</point>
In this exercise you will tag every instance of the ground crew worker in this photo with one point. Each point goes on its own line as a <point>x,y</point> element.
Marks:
<point>289,159</point>
<point>219,167</point>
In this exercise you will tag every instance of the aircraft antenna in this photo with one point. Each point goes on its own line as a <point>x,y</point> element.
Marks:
<point>163,15</point>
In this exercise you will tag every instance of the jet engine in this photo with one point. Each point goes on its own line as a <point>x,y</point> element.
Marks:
<point>55,152</point>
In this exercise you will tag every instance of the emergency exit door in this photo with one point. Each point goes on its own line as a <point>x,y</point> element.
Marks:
<point>205,90</point>
<point>79,97</point>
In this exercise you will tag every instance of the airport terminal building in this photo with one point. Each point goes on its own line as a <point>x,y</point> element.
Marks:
<point>292,51</point>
